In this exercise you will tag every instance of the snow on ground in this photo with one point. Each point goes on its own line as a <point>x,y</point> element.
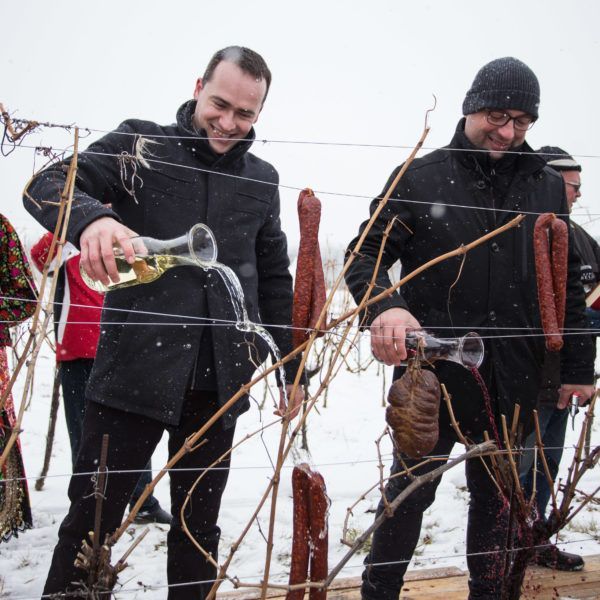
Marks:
<point>341,438</point>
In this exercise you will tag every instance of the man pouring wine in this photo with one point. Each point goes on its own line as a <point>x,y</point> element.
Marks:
<point>159,364</point>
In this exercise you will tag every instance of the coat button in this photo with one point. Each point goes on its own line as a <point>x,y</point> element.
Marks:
<point>480,184</point>
<point>495,247</point>
<point>492,315</point>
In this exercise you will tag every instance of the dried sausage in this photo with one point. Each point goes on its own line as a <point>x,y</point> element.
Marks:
<point>414,411</point>
<point>318,510</point>
<point>309,286</point>
<point>301,531</point>
<point>551,276</point>
<point>310,535</point>
<point>560,251</point>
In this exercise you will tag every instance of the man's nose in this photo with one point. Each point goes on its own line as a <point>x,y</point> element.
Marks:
<point>227,121</point>
<point>507,131</point>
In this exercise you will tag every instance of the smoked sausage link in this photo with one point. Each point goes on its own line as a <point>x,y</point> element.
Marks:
<point>551,276</point>
<point>560,252</point>
<point>301,530</point>
<point>319,537</point>
<point>309,285</point>
<point>414,411</point>
<point>310,536</point>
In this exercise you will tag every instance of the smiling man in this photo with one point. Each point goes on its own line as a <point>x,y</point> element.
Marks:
<point>158,365</point>
<point>228,103</point>
<point>452,196</point>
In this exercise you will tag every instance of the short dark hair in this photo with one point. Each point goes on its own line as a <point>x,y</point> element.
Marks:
<point>247,60</point>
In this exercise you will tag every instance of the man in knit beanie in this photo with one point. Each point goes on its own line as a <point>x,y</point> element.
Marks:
<point>504,83</point>
<point>503,104</point>
<point>482,179</point>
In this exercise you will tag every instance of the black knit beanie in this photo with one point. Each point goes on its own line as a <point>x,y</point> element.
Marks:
<point>558,159</point>
<point>504,83</point>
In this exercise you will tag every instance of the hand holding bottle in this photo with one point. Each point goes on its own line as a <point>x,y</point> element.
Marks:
<point>97,243</point>
<point>388,333</point>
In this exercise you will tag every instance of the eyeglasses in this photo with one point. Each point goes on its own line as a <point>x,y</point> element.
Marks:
<point>575,186</point>
<point>499,118</point>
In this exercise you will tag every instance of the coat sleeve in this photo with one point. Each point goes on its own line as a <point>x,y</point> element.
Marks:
<point>98,183</point>
<point>275,291</point>
<point>595,249</point>
<point>360,273</point>
<point>577,355</point>
<point>40,251</point>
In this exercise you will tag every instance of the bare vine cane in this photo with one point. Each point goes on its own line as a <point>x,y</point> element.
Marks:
<point>33,342</point>
<point>513,575</point>
<point>55,401</point>
<point>320,322</point>
<point>532,533</point>
<point>15,134</point>
<point>475,451</point>
<point>309,404</point>
<point>207,555</point>
<point>380,484</point>
<point>542,456</point>
<point>576,471</point>
<point>95,559</point>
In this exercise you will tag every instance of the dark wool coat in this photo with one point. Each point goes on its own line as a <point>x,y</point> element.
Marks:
<point>151,334</point>
<point>445,199</point>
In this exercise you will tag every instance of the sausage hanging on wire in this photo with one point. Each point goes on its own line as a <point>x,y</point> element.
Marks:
<point>309,286</point>
<point>318,503</point>
<point>301,531</point>
<point>551,276</point>
<point>310,537</point>
<point>560,252</point>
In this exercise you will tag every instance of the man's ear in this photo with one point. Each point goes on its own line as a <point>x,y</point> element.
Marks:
<point>197,88</point>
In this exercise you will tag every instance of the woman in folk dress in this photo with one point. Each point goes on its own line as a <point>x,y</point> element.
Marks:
<point>17,303</point>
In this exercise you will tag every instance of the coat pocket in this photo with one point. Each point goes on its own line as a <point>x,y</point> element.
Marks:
<point>249,204</point>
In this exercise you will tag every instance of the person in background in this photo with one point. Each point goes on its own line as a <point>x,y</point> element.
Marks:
<point>445,199</point>
<point>553,414</point>
<point>18,297</point>
<point>160,363</point>
<point>77,310</point>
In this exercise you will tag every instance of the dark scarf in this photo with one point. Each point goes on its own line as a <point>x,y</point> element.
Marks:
<point>201,146</point>
<point>499,174</point>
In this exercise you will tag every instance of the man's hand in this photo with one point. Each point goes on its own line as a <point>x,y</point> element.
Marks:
<point>97,241</point>
<point>388,332</point>
<point>294,401</point>
<point>583,393</point>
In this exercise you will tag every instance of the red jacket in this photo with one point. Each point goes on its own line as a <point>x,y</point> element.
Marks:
<point>77,307</point>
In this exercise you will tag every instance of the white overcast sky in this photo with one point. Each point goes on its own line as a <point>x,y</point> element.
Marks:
<point>344,71</point>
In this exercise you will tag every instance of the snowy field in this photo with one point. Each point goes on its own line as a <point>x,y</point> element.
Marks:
<point>341,438</point>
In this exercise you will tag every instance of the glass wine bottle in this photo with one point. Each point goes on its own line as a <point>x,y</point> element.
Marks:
<point>154,257</point>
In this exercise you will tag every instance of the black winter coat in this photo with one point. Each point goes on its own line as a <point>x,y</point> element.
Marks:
<point>151,334</point>
<point>445,199</point>
<point>588,250</point>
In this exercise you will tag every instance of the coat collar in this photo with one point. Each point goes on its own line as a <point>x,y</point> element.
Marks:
<point>201,147</point>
